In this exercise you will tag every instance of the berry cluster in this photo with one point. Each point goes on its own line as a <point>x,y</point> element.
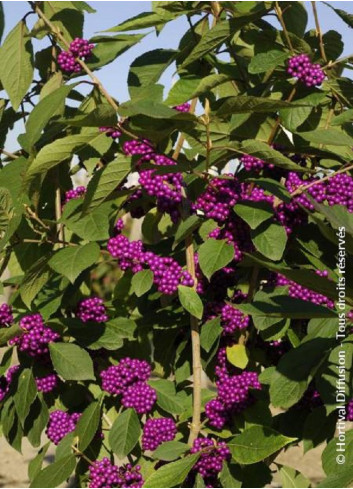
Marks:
<point>128,379</point>
<point>299,292</point>
<point>219,197</point>
<point>303,69</point>
<point>5,381</point>
<point>233,392</point>
<point>251,163</point>
<point>47,383</point>
<point>74,193</point>
<point>231,318</point>
<point>211,460</point>
<point>111,132</point>
<point>35,337</point>
<point>60,424</point>
<point>105,474</point>
<point>167,273</point>
<point>79,48</point>
<point>185,107</point>
<point>6,317</point>
<point>166,188</point>
<point>130,254</point>
<point>92,309</point>
<point>157,431</point>
<point>349,410</point>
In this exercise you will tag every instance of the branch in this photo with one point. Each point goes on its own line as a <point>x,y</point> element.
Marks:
<point>194,324</point>
<point>83,65</point>
<point>303,188</point>
<point>319,32</point>
<point>281,20</point>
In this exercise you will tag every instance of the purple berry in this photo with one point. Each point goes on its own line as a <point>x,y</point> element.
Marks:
<point>157,431</point>
<point>185,107</point>
<point>47,383</point>
<point>35,337</point>
<point>213,455</point>
<point>92,309</point>
<point>6,317</point>
<point>117,378</point>
<point>74,193</point>
<point>60,424</point>
<point>139,396</point>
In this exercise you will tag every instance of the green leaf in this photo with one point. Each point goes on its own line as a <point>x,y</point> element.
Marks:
<point>342,478</point>
<point>295,17</point>
<point>110,335</point>
<point>60,150</point>
<point>270,238</point>
<point>16,69</point>
<point>256,443</point>
<point>173,474</point>
<point>105,181</point>
<point>292,376</point>
<point>88,425</point>
<point>140,21</point>
<point>244,104</point>
<point>280,306</point>
<point>216,36</point>
<point>52,104</point>
<point>346,116</point>
<point>36,422</point>
<point>56,473</point>
<point>150,108</point>
<point>103,115</point>
<point>254,213</point>
<point>210,332</point>
<point>214,254</point>
<point>108,48</point>
<point>238,355</point>
<point>71,362</point>
<point>227,478</point>
<point>337,216</point>
<point>73,260</point>
<point>266,61</point>
<point>190,301</point>
<point>264,152</point>
<point>36,277</point>
<point>92,227</point>
<point>148,68</point>
<point>7,334</point>
<point>141,282</point>
<point>36,463</point>
<point>167,398</point>
<point>332,137</point>
<point>329,462</point>
<point>185,228</point>
<point>170,450</point>
<point>124,433</point>
<point>292,478</point>
<point>25,394</point>
<point>345,16</point>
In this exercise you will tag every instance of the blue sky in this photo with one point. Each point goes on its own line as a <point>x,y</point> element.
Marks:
<point>109,14</point>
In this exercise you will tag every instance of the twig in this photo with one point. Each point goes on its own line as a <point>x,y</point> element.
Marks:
<point>83,65</point>
<point>107,420</point>
<point>34,216</point>
<point>319,32</point>
<point>194,324</point>
<point>10,155</point>
<point>303,188</point>
<point>80,454</point>
<point>281,20</point>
